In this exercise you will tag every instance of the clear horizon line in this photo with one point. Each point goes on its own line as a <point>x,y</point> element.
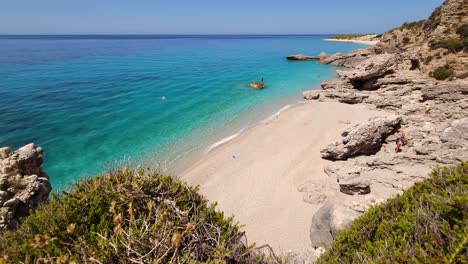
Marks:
<point>175,34</point>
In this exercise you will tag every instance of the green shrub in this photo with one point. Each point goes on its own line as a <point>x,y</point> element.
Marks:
<point>428,60</point>
<point>412,25</point>
<point>453,45</point>
<point>348,36</point>
<point>406,40</point>
<point>442,73</point>
<point>463,30</point>
<point>128,217</point>
<point>426,224</point>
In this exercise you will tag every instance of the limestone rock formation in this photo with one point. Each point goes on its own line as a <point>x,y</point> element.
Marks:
<point>375,67</point>
<point>328,220</point>
<point>457,133</point>
<point>362,139</point>
<point>349,178</point>
<point>23,183</point>
<point>351,59</point>
<point>311,95</point>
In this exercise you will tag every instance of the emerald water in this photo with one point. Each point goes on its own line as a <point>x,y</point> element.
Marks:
<point>90,101</point>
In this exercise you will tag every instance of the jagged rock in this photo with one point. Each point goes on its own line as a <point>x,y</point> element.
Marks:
<point>336,84</point>
<point>349,178</point>
<point>323,56</point>
<point>362,139</point>
<point>4,152</point>
<point>446,92</point>
<point>457,132</point>
<point>301,57</point>
<point>328,220</point>
<point>23,183</point>
<point>311,95</point>
<point>351,98</point>
<point>364,76</point>
<point>351,59</point>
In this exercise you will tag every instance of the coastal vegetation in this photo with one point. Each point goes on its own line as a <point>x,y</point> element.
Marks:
<point>426,224</point>
<point>128,216</point>
<point>412,25</point>
<point>451,44</point>
<point>442,73</point>
<point>348,36</point>
<point>454,44</point>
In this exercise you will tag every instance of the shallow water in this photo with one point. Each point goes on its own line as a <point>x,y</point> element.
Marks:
<point>90,100</point>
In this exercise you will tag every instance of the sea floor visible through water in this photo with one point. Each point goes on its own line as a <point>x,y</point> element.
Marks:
<point>93,101</point>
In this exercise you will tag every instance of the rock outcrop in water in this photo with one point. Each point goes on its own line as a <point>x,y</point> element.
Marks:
<point>301,57</point>
<point>23,183</point>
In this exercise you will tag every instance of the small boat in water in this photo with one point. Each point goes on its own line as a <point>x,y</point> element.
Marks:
<point>257,85</point>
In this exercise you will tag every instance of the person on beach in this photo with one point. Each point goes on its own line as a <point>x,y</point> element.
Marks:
<point>401,141</point>
<point>427,107</point>
<point>262,79</point>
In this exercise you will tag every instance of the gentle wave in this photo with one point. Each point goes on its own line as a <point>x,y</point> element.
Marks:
<point>264,121</point>
<point>224,140</point>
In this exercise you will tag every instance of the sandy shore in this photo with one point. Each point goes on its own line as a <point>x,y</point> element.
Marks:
<point>257,176</point>
<point>366,42</point>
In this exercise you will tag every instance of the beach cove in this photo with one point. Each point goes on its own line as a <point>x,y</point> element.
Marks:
<point>93,101</point>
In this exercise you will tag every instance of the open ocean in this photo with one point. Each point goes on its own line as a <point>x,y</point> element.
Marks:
<point>91,101</point>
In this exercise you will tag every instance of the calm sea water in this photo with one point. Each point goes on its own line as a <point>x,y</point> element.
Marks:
<point>93,100</point>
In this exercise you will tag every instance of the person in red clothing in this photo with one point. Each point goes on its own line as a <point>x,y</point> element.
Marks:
<point>401,141</point>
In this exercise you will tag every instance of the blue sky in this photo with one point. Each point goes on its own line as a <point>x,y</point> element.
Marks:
<point>208,16</point>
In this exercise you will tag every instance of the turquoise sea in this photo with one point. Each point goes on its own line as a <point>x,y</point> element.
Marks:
<point>92,101</point>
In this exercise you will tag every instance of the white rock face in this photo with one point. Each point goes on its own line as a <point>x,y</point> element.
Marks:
<point>23,183</point>
<point>362,139</point>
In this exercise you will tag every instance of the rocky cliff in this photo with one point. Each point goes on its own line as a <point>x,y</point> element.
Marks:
<point>401,75</point>
<point>435,42</point>
<point>23,183</point>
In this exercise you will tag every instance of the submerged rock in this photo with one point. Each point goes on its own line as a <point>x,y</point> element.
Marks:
<point>23,183</point>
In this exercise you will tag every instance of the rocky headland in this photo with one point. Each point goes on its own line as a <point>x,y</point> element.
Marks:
<point>400,76</point>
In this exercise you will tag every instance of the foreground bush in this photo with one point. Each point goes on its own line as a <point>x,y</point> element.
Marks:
<point>128,217</point>
<point>426,224</point>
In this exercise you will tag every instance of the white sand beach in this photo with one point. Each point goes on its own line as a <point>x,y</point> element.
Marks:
<point>256,176</point>
<point>357,41</point>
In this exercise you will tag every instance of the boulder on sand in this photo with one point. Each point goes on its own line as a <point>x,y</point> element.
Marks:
<point>328,220</point>
<point>362,139</point>
<point>311,95</point>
